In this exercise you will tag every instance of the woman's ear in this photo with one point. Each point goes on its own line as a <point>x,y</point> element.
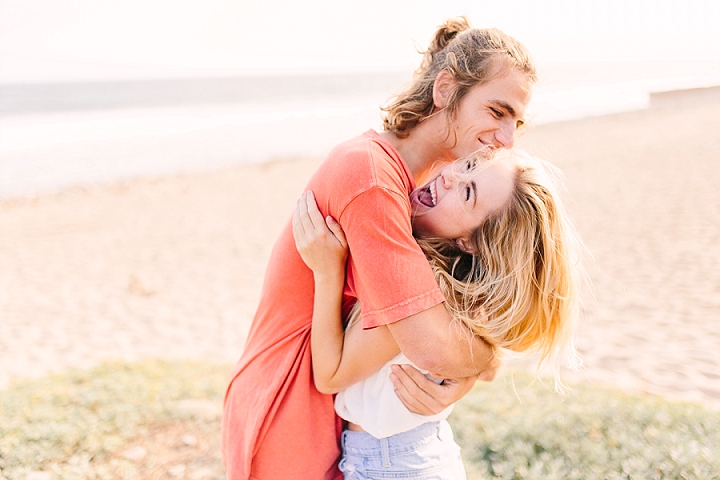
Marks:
<point>465,245</point>
<point>442,88</point>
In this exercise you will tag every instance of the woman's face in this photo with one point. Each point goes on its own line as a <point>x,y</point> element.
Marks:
<point>454,203</point>
<point>489,114</point>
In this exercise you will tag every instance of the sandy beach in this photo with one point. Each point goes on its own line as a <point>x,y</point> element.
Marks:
<point>173,267</point>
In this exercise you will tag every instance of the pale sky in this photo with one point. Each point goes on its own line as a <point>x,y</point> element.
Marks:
<point>59,40</point>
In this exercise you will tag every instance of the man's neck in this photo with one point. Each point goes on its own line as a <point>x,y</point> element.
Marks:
<point>421,151</point>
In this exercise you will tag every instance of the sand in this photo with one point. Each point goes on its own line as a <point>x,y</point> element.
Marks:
<point>173,267</point>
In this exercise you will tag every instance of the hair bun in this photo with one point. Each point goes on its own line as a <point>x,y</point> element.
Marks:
<point>446,33</point>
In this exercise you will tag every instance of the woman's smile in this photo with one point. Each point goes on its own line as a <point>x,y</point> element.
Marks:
<point>426,196</point>
<point>457,200</point>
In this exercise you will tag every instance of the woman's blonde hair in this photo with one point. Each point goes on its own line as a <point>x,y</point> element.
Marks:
<point>473,56</point>
<point>519,290</point>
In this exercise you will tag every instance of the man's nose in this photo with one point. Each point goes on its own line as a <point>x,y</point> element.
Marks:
<point>505,136</point>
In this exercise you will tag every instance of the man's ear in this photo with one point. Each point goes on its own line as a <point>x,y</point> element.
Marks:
<point>442,88</point>
<point>465,245</point>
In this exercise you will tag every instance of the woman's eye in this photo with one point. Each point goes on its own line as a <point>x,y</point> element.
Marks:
<point>467,193</point>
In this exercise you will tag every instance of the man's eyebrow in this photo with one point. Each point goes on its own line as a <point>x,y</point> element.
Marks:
<point>504,105</point>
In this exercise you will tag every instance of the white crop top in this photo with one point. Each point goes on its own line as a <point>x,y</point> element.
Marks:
<point>373,404</point>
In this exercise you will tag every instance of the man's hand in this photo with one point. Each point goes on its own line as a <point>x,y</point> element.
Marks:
<point>423,396</point>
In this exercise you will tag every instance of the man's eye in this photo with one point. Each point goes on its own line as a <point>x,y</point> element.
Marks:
<point>497,112</point>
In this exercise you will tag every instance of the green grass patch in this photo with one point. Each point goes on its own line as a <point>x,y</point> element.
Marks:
<point>159,419</point>
<point>527,431</point>
<point>79,425</point>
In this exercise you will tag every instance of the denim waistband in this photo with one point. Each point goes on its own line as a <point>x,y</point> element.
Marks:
<point>364,444</point>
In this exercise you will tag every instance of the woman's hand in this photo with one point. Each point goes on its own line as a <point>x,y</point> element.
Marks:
<point>320,241</point>
<point>322,246</point>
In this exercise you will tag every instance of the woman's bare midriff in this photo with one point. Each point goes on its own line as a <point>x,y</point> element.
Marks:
<point>354,427</point>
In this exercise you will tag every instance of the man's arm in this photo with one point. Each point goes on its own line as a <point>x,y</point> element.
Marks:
<point>423,396</point>
<point>433,341</point>
<point>391,275</point>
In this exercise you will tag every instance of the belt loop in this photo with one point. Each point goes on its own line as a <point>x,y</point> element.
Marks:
<point>385,449</point>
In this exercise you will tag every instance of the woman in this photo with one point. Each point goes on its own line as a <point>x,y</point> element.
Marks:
<point>504,254</point>
<point>469,93</point>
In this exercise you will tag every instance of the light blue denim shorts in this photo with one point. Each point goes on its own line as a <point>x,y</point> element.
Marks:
<point>427,452</point>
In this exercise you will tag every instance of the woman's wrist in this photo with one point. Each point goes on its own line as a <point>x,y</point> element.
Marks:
<point>330,278</point>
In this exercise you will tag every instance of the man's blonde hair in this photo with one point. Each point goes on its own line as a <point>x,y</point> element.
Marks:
<point>472,56</point>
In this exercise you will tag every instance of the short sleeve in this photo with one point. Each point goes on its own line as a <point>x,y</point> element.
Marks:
<point>391,277</point>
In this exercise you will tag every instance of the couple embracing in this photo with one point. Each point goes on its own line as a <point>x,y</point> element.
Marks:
<point>384,302</point>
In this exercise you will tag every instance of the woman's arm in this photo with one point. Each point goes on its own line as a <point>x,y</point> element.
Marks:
<point>338,360</point>
<point>341,358</point>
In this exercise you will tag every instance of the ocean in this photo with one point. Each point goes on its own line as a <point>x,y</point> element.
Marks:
<point>57,135</point>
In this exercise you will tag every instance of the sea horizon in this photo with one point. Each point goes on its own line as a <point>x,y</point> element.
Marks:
<point>60,134</point>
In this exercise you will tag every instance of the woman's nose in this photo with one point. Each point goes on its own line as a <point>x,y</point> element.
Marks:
<point>448,177</point>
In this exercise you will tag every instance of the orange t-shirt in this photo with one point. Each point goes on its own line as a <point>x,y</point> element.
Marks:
<point>275,423</point>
